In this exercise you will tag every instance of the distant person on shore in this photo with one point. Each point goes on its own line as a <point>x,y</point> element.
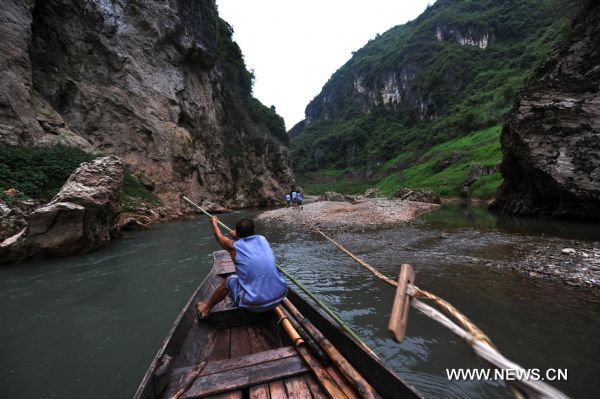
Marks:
<point>257,285</point>
<point>294,194</point>
<point>299,200</point>
<point>287,198</point>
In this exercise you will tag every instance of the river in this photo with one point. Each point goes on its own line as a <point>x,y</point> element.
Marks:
<point>88,326</point>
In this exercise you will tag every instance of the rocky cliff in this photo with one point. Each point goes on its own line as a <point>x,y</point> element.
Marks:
<point>80,218</point>
<point>452,71</point>
<point>551,142</point>
<point>159,83</point>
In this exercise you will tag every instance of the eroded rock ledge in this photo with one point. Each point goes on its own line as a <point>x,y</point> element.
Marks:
<point>80,218</point>
<point>551,141</point>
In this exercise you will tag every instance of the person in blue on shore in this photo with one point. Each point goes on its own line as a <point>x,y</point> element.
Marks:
<point>294,194</point>
<point>299,200</point>
<point>257,285</point>
<point>287,200</point>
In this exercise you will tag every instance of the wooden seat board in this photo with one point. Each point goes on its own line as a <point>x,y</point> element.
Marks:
<point>246,376</point>
<point>223,265</point>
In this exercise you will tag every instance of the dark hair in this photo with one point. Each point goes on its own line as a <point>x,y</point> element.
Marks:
<point>245,228</point>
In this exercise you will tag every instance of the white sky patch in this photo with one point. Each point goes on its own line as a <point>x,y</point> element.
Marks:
<point>295,46</point>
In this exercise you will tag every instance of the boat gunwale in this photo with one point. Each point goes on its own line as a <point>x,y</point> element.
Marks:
<point>147,380</point>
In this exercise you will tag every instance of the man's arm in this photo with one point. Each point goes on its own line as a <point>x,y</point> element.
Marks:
<point>225,242</point>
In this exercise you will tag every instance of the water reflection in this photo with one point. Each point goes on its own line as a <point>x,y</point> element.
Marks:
<point>88,326</point>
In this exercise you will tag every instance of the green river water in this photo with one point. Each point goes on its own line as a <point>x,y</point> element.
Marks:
<point>88,326</point>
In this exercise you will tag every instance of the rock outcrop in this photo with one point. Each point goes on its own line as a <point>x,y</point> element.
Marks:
<point>160,84</point>
<point>426,196</point>
<point>12,221</point>
<point>336,197</point>
<point>551,142</point>
<point>80,218</point>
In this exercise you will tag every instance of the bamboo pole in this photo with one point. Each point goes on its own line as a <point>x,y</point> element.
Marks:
<point>326,381</point>
<point>359,383</point>
<point>189,201</point>
<point>308,339</point>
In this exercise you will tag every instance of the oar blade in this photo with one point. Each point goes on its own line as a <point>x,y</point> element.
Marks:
<point>401,306</point>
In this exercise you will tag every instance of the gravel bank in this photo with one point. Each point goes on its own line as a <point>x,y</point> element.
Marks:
<point>573,262</point>
<point>366,214</point>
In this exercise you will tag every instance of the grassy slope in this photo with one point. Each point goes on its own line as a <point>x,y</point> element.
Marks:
<point>523,34</point>
<point>481,147</point>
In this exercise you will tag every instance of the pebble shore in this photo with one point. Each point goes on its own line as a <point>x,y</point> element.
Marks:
<point>364,214</point>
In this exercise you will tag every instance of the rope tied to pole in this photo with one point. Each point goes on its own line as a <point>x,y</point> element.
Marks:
<point>417,292</point>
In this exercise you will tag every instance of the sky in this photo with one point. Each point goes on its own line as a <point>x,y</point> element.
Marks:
<point>294,47</point>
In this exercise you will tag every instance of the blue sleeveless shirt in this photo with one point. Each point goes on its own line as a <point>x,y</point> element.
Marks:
<point>262,285</point>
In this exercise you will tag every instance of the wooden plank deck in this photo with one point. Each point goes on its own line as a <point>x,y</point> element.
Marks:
<point>244,358</point>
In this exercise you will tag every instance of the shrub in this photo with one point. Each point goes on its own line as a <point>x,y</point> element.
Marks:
<point>39,172</point>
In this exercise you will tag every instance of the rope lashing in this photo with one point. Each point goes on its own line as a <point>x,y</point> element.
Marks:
<point>417,292</point>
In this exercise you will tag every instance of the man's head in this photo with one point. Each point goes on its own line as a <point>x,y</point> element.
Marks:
<point>245,228</point>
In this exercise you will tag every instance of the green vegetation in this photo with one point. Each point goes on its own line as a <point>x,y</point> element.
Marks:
<point>135,196</point>
<point>269,117</point>
<point>38,172</point>
<point>453,91</point>
<point>241,80</point>
<point>481,147</point>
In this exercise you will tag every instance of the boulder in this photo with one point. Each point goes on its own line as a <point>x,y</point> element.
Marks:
<point>551,140</point>
<point>373,193</point>
<point>429,197</point>
<point>79,218</point>
<point>472,174</point>
<point>333,196</point>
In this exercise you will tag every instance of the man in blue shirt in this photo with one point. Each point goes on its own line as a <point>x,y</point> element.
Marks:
<point>257,285</point>
<point>299,200</point>
<point>287,200</point>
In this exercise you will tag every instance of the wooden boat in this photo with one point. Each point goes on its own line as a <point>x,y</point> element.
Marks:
<point>239,354</point>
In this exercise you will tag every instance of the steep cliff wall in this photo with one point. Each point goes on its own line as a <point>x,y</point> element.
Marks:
<point>160,83</point>
<point>551,142</point>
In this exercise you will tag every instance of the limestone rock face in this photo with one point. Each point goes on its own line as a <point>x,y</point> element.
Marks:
<point>12,221</point>
<point>551,143</point>
<point>80,218</point>
<point>158,83</point>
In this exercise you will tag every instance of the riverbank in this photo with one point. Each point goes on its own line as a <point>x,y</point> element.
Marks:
<point>364,214</point>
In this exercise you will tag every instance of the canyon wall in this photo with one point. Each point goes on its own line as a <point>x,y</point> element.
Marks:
<point>551,141</point>
<point>159,83</point>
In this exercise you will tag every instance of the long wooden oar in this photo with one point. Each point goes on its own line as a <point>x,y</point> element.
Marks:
<point>312,296</point>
